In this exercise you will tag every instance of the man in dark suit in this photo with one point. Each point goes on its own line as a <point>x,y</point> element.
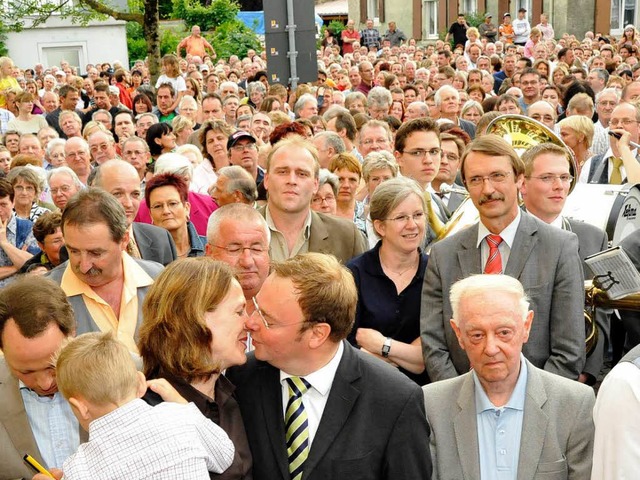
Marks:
<point>505,415</point>
<point>444,183</point>
<point>291,181</point>
<point>314,406</point>
<point>147,242</point>
<point>35,320</point>
<point>545,259</point>
<point>547,180</point>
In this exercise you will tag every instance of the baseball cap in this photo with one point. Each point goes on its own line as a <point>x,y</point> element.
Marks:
<point>237,136</point>
<point>522,10</point>
<point>506,14</point>
<point>488,15</point>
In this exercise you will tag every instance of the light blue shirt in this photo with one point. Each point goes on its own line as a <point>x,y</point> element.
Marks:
<point>500,430</point>
<point>53,424</point>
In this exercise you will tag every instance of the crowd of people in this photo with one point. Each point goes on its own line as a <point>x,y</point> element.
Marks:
<point>216,276</point>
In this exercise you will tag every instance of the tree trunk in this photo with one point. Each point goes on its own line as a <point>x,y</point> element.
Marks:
<point>151,27</point>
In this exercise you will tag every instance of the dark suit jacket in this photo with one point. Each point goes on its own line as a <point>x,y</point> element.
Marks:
<point>631,319</point>
<point>592,240</point>
<point>373,426</point>
<point>545,259</point>
<point>557,429</point>
<point>155,243</point>
<point>16,437</point>
<point>336,236</point>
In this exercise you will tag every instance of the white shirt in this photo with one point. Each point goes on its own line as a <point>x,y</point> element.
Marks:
<point>315,399</point>
<point>508,236</point>
<point>616,448</point>
<point>165,442</point>
<point>203,177</point>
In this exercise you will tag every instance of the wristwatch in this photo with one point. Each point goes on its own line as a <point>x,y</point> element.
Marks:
<point>386,347</point>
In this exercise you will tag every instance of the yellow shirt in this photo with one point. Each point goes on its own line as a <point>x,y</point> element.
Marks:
<point>5,84</point>
<point>101,312</point>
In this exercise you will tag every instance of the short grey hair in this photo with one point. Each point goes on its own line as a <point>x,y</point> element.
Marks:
<point>333,140</point>
<point>325,176</point>
<point>392,193</point>
<point>353,97</point>
<point>240,180</point>
<point>187,147</point>
<point>302,101</point>
<point>379,97</point>
<point>438,96</point>
<point>605,91</point>
<point>53,143</point>
<point>174,163</point>
<point>377,161</point>
<point>226,84</point>
<point>487,284</point>
<point>65,171</point>
<point>237,212</point>
<point>333,111</point>
<point>106,112</point>
<point>68,113</point>
<point>257,86</point>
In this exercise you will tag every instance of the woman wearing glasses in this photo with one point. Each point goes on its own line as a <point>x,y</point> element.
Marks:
<point>191,332</point>
<point>389,278</point>
<point>167,197</point>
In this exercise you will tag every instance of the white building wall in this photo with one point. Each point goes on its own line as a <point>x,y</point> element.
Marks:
<point>101,41</point>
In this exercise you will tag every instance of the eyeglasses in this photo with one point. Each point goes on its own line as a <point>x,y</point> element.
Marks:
<point>403,219</point>
<point>102,146</point>
<point>172,205</point>
<point>241,148</point>
<point>268,325</point>
<point>320,200</point>
<point>550,178</point>
<point>494,178</point>
<point>452,157</point>
<point>420,153</point>
<point>21,188</point>
<point>614,122</point>
<point>377,141</point>
<point>238,250</point>
<point>63,189</point>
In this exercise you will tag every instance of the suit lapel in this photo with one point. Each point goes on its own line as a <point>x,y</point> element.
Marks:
<point>144,242</point>
<point>14,416</point>
<point>469,253</point>
<point>342,398</point>
<point>465,428</point>
<point>319,235</point>
<point>523,244</point>
<point>271,392</point>
<point>534,425</point>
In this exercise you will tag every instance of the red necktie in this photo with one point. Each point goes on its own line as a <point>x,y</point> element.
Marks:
<point>494,262</point>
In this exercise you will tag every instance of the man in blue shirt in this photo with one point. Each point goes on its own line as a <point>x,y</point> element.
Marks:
<point>517,411</point>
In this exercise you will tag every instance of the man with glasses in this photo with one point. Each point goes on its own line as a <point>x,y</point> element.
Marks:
<point>136,152</point>
<point>530,85</point>
<point>78,157</point>
<point>375,136</point>
<point>619,164</point>
<point>243,151</point>
<point>63,184</point>
<point>543,112</point>
<point>313,405</point>
<point>506,240</point>
<point>102,147</point>
<point>547,179</point>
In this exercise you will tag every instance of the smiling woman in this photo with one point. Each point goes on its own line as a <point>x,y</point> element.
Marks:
<point>191,332</point>
<point>389,279</point>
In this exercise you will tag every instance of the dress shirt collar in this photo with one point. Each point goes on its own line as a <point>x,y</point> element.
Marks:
<point>127,413</point>
<point>272,226</point>
<point>508,234</point>
<point>516,401</point>
<point>322,379</point>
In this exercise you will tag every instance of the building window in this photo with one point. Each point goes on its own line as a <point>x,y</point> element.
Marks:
<point>73,54</point>
<point>430,9</point>
<point>467,6</point>
<point>623,12</point>
<point>526,4</point>
<point>372,9</point>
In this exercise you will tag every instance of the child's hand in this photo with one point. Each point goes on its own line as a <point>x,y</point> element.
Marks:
<point>56,472</point>
<point>166,391</point>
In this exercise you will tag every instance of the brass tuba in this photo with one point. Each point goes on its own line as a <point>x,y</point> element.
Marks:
<point>521,133</point>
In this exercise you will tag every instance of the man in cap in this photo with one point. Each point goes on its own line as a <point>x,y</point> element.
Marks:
<point>487,29</point>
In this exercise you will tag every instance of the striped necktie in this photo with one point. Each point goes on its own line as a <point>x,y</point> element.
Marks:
<point>296,427</point>
<point>494,262</point>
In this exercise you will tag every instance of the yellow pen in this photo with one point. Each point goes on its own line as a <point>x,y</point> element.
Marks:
<point>36,465</point>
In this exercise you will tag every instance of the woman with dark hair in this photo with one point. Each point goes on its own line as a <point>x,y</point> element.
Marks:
<point>167,197</point>
<point>160,139</point>
<point>142,104</point>
<point>191,332</point>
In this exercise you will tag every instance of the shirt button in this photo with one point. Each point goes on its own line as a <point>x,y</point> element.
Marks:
<point>501,432</point>
<point>503,452</point>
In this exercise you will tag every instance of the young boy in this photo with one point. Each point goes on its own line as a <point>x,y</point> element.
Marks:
<point>129,439</point>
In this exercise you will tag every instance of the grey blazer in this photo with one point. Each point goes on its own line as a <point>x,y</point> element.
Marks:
<point>16,437</point>
<point>155,243</point>
<point>557,429</point>
<point>545,259</point>
<point>84,321</point>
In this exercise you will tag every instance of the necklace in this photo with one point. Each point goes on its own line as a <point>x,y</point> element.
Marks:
<point>399,274</point>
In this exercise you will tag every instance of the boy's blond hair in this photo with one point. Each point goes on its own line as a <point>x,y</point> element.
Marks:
<point>98,368</point>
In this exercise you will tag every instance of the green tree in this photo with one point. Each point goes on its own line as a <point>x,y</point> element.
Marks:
<point>233,38</point>
<point>207,17</point>
<point>3,39</point>
<point>18,14</point>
